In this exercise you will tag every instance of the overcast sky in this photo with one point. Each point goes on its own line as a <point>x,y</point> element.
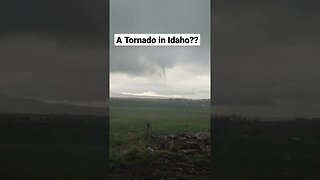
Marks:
<point>54,50</point>
<point>160,71</point>
<point>266,59</point>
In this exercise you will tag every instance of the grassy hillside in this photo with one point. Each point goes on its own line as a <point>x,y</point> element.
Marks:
<point>129,118</point>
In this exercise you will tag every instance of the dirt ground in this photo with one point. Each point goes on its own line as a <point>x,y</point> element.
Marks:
<point>167,166</point>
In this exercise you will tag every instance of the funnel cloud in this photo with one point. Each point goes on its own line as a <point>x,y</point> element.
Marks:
<point>164,71</point>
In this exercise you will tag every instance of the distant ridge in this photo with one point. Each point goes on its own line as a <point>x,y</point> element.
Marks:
<point>9,104</point>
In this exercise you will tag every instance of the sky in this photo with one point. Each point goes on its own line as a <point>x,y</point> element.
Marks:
<point>165,72</point>
<point>54,50</point>
<point>266,57</point>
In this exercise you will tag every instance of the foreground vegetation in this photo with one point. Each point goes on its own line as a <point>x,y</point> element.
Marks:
<point>128,129</point>
<point>266,150</point>
<point>53,147</point>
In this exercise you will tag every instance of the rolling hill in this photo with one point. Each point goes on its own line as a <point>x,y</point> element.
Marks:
<point>9,104</point>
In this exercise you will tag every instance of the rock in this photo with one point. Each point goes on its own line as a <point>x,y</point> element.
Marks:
<point>183,143</point>
<point>201,136</point>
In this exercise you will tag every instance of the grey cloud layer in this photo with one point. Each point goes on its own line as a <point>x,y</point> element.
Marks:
<point>54,49</point>
<point>145,16</point>
<point>74,21</point>
<point>266,57</point>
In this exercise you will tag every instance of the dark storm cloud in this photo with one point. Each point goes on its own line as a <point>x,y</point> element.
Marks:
<point>161,71</point>
<point>152,16</point>
<point>149,61</point>
<point>54,49</point>
<point>77,21</point>
<point>266,55</point>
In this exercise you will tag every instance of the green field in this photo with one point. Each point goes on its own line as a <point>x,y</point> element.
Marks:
<point>129,118</point>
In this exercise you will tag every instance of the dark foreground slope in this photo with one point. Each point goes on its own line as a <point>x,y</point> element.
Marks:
<point>53,147</point>
<point>255,150</point>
